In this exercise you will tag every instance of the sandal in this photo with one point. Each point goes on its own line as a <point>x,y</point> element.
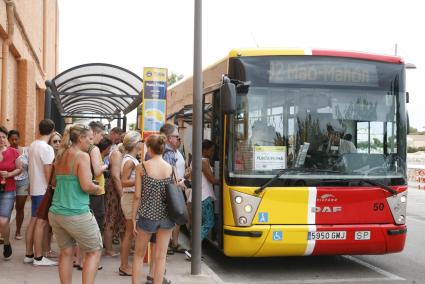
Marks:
<point>149,280</point>
<point>18,237</point>
<point>79,267</point>
<point>123,273</point>
<point>113,254</point>
<point>170,251</point>
<point>178,249</point>
<point>51,254</point>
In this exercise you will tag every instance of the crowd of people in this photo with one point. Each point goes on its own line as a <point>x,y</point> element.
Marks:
<point>91,189</point>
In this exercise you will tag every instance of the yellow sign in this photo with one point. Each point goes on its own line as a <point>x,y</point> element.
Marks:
<point>154,100</point>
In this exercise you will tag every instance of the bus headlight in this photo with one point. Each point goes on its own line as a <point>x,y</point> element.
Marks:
<point>238,199</point>
<point>397,204</point>
<point>244,207</point>
<point>248,208</point>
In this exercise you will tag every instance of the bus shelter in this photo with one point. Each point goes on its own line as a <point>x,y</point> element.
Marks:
<point>93,91</point>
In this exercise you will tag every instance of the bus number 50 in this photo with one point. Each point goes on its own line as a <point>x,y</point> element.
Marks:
<point>378,206</point>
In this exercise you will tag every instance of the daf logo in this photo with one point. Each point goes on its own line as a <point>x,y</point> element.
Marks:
<point>328,197</point>
<point>326,209</point>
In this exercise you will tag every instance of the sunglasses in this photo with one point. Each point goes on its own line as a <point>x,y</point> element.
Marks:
<point>56,141</point>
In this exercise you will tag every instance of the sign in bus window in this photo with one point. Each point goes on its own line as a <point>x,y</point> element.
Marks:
<point>268,158</point>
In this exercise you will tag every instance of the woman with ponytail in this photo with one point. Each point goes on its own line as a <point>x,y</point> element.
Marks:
<point>150,204</point>
<point>69,215</point>
<point>132,145</point>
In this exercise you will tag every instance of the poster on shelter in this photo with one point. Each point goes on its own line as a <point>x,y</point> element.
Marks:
<point>154,114</point>
<point>154,100</point>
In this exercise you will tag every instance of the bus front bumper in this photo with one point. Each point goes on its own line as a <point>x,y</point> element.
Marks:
<point>296,240</point>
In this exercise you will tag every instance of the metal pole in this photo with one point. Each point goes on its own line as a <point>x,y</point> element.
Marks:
<point>48,104</point>
<point>124,123</point>
<point>197,142</point>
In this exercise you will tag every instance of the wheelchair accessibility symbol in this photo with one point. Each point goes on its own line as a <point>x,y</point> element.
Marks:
<point>277,235</point>
<point>263,217</point>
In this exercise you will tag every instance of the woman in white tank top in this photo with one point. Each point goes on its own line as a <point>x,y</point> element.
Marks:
<point>133,145</point>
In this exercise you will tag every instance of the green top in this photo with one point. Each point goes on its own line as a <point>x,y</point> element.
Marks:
<point>69,198</point>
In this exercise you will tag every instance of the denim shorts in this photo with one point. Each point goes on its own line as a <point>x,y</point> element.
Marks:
<point>22,187</point>
<point>152,226</point>
<point>7,199</point>
<point>35,203</point>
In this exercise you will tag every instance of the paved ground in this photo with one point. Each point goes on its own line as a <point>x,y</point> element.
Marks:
<point>15,271</point>
<point>404,267</point>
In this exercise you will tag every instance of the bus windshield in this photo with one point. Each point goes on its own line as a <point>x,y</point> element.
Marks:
<point>326,118</point>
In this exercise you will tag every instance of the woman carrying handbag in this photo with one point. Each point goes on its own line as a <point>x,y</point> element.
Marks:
<point>150,204</point>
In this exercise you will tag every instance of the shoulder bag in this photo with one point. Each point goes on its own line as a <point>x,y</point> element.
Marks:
<point>177,210</point>
<point>43,209</point>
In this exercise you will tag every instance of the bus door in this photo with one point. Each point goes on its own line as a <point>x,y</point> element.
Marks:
<point>213,130</point>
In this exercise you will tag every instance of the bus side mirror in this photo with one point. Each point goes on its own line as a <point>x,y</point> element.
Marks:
<point>228,98</point>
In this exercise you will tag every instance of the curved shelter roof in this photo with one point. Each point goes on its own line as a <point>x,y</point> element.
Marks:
<point>96,90</point>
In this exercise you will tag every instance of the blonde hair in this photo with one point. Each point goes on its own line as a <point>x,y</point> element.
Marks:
<point>156,142</point>
<point>53,135</point>
<point>70,136</point>
<point>130,140</point>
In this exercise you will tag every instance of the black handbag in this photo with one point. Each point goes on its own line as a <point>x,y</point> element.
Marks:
<point>177,210</point>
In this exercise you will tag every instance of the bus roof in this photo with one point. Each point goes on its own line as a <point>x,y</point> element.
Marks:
<point>314,52</point>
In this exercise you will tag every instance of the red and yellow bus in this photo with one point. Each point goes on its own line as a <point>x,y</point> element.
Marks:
<point>311,151</point>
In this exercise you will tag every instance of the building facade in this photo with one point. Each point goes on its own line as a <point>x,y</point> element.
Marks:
<point>29,56</point>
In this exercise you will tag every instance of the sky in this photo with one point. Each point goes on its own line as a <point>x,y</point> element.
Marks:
<point>139,33</point>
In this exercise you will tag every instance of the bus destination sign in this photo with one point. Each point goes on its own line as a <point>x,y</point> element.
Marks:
<point>323,73</point>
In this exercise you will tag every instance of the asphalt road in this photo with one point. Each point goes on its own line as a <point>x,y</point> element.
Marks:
<point>405,267</point>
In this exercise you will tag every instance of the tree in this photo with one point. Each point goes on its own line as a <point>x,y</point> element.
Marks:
<point>132,126</point>
<point>173,78</point>
<point>413,130</point>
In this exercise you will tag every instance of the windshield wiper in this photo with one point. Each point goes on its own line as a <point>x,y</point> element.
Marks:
<point>284,171</point>
<point>304,170</point>
<point>383,186</point>
<point>371,182</point>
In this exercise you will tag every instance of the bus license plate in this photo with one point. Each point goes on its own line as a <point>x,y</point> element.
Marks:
<point>327,235</point>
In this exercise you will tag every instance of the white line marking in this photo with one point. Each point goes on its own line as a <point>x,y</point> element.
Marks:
<point>308,51</point>
<point>389,275</point>
<point>311,219</point>
<point>362,280</point>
